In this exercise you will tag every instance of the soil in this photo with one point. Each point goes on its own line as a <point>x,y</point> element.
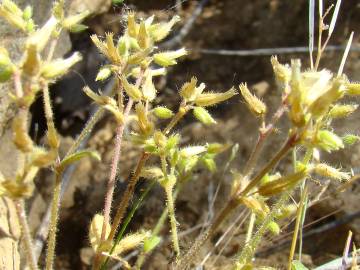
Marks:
<point>227,24</point>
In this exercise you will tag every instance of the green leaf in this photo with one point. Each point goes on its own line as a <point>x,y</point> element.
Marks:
<point>297,265</point>
<point>117,2</point>
<point>77,28</point>
<point>77,156</point>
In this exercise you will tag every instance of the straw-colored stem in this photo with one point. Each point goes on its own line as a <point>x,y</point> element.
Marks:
<point>25,231</point>
<point>177,117</point>
<point>250,228</point>
<point>55,205</point>
<point>290,143</point>
<point>296,230</point>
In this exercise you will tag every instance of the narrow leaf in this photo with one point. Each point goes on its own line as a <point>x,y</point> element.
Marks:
<point>77,156</point>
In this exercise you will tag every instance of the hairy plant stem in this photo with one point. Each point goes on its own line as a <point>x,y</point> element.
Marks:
<point>126,197</point>
<point>296,229</point>
<point>173,223</point>
<point>25,231</point>
<point>233,203</point>
<point>159,225</point>
<point>85,131</point>
<point>124,203</point>
<point>180,114</point>
<point>248,251</point>
<point>55,205</point>
<point>113,173</point>
<point>263,135</point>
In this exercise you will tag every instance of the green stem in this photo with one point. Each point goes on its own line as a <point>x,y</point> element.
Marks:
<point>159,225</point>
<point>173,224</point>
<point>55,205</point>
<point>86,130</point>
<point>20,210</point>
<point>234,202</point>
<point>248,251</point>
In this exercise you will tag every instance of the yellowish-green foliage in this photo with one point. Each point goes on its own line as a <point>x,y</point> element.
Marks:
<point>311,99</point>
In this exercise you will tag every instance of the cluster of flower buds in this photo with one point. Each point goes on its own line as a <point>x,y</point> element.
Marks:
<point>32,74</point>
<point>313,99</point>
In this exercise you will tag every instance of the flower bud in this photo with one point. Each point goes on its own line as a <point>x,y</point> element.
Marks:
<point>163,112</point>
<point>328,171</point>
<point>203,116</point>
<point>53,138</point>
<point>274,228</point>
<point>60,66</point>
<point>132,27</point>
<point>31,64</point>
<point>259,207</point>
<point>161,31</point>
<point>340,111</point>
<point>103,74</point>
<point>353,89</point>
<point>143,37</point>
<point>172,142</point>
<point>166,59</point>
<point>160,139</point>
<point>255,105</point>
<point>210,164</point>
<point>282,184</point>
<point>71,21</point>
<point>321,105</point>
<point>209,99</point>
<point>350,139</point>
<point>6,66</point>
<point>123,46</point>
<point>188,90</point>
<point>131,90</point>
<point>282,72</point>
<point>328,141</point>
<point>21,138</point>
<point>42,36</point>
<point>139,57</point>
<point>192,151</point>
<point>13,14</point>
<point>42,158</point>
<point>148,88</point>
<point>28,12</point>
<point>145,125</point>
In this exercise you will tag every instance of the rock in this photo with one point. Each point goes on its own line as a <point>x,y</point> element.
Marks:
<point>94,6</point>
